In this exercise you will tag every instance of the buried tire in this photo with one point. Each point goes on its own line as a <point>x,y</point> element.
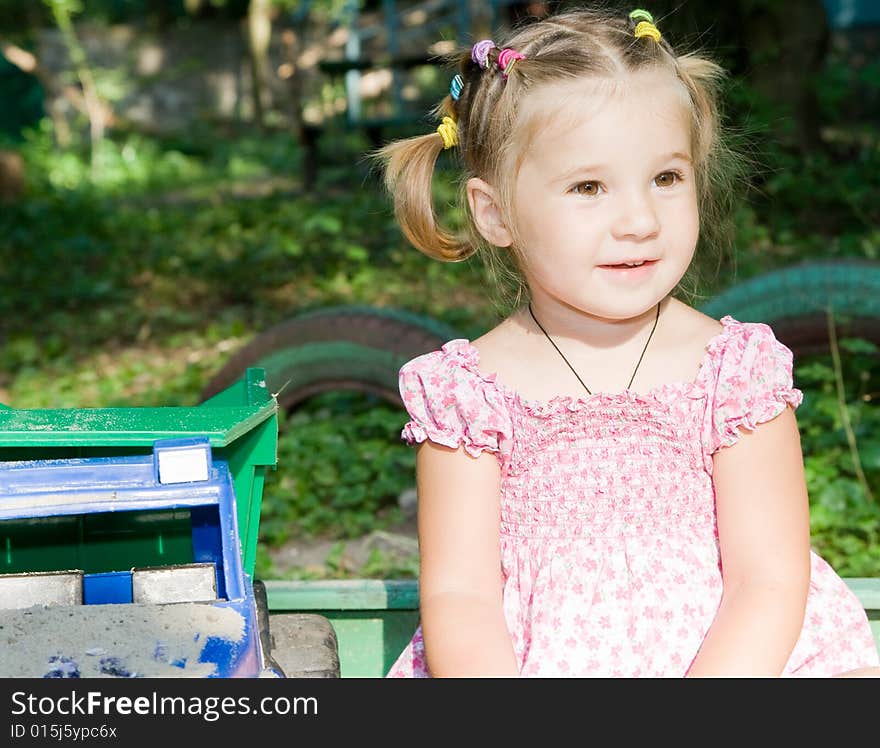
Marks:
<point>337,348</point>
<point>796,302</point>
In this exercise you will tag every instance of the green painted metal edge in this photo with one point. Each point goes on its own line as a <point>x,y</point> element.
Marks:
<point>248,459</point>
<point>403,594</point>
<point>251,388</point>
<point>116,427</point>
<point>867,589</point>
<point>222,423</point>
<point>343,594</point>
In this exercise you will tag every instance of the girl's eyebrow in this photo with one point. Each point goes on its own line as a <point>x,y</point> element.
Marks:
<point>676,155</point>
<point>578,170</point>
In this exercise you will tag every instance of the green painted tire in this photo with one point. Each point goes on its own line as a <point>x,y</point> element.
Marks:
<point>336,348</point>
<point>795,301</point>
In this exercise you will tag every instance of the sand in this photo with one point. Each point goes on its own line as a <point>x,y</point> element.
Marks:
<point>107,641</point>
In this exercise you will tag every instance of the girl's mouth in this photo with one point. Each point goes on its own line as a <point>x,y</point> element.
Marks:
<point>632,270</point>
<point>628,265</point>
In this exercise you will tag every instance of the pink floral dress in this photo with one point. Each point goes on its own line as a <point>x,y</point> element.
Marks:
<point>609,545</point>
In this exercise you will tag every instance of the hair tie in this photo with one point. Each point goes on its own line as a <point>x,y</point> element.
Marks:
<point>480,52</point>
<point>455,87</point>
<point>643,15</point>
<point>647,29</point>
<point>448,130</point>
<point>646,25</point>
<point>507,58</point>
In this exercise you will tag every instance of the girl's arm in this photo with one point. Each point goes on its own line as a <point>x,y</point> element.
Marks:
<point>764,533</point>
<point>460,584</point>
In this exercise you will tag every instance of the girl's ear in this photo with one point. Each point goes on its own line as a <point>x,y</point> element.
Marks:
<point>486,212</point>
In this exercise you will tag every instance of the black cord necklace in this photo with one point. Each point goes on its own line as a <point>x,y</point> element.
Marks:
<point>656,318</point>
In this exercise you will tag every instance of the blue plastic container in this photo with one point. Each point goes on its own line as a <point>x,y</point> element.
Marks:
<point>153,540</point>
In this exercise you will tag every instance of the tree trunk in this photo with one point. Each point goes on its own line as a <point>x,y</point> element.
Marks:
<point>11,176</point>
<point>28,63</point>
<point>305,135</point>
<point>259,25</point>
<point>95,108</point>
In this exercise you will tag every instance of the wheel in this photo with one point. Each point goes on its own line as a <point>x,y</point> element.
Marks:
<point>296,645</point>
<point>337,348</point>
<point>304,645</point>
<point>795,302</point>
<point>262,605</point>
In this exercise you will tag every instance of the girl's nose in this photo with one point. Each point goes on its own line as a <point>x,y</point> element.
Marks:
<point>637,219</point>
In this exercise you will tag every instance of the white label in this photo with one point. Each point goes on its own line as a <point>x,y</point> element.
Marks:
<point>183,465</point>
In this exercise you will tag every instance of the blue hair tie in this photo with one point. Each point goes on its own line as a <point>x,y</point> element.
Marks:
<point>455,87</point>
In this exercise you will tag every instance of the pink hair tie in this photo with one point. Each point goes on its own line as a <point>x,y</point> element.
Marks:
<point>480,52</point>
<point>507,59</point>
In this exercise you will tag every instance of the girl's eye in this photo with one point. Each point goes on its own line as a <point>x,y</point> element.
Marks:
<point>589,189</point>
<point>667,179</point>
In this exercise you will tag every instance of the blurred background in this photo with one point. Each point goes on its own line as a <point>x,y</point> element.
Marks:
<point>178,177</point>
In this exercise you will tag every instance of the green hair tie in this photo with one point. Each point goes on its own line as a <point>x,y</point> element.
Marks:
<point>639,14</point>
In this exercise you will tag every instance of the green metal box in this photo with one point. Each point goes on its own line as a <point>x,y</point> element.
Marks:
<point>241,424</point>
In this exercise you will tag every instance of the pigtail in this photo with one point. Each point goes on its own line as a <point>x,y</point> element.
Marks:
<point>408,174</point>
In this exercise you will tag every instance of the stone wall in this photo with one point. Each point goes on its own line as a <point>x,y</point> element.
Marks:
<point>168,81</point>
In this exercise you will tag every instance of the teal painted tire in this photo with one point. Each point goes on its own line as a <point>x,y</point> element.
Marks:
<point>795,301</point>
<point>337,348</point>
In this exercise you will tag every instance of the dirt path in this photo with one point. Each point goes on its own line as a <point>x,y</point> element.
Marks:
<point>394,547</point>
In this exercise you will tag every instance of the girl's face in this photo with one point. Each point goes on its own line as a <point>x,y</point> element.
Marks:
<point>605,182</point>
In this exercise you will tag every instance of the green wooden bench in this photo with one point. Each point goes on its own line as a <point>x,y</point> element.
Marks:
<point>374,619</point>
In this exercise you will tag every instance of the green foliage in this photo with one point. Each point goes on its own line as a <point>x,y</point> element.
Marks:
<point>844,512</point>
<point>344,469</point>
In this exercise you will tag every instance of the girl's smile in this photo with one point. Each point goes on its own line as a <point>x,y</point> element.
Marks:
<point>626,273</point>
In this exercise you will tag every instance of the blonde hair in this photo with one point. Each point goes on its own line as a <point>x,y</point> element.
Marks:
<point>568,46</point>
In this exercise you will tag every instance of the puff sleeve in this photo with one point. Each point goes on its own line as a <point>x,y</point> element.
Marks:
<point>451,403</point>
<point>752,382</point>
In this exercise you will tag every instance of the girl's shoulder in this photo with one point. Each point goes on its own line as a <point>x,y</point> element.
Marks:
<point>727,347</point>
<point>454,362</point>
<point>462,360</point>
<point>451,402</point>
<point>744,346</point>
<point>749,380</point>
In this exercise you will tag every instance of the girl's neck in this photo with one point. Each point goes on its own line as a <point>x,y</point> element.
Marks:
<point>596,332</point>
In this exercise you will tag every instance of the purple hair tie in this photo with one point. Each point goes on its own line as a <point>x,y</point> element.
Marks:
<point>480,52</point>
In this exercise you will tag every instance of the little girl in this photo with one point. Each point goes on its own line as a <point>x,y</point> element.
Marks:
<point>610,482</point>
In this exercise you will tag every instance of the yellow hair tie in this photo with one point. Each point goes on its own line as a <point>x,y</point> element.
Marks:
<point>448,130</point>
<point>646,28</point>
